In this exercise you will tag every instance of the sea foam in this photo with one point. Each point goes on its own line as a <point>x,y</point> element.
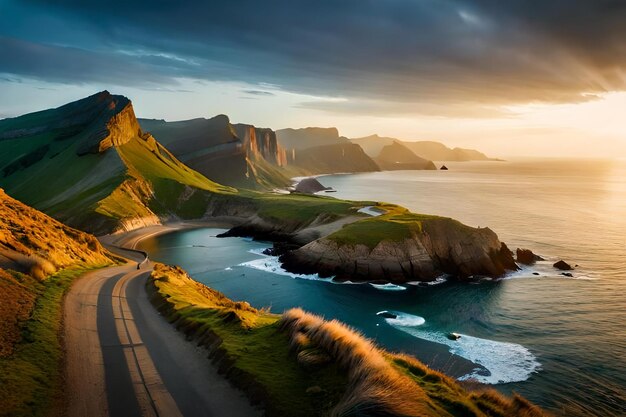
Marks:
<point>504,362</point>
<point>388,287</point>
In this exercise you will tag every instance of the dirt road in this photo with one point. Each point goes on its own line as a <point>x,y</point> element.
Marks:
<point>124,359</point>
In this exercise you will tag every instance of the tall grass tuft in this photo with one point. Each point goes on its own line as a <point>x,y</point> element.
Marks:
<point>386,384</point>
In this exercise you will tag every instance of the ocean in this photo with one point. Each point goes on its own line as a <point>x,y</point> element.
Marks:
<point>558,341</point>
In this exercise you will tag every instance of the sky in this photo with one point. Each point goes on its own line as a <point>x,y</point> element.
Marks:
<point>510,78</point>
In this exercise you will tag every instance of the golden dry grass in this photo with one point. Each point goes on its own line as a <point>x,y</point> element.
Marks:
<point>38,245</point>
<point>368,381</point>
<point>386,384</point>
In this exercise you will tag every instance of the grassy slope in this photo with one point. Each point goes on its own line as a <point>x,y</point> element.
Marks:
<point>298,364</point>
<point>251,341</point>
<point>396,224</point>
<point>137,179</point>
<point>31,377</point>
<point>39,258</point>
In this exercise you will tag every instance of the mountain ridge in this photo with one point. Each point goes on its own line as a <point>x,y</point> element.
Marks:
<point>120,177</point>
<point>431,150</point>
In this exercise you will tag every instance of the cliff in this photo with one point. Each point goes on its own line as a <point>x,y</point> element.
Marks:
<point>403,248</point>
<point>238,155</point>
<point>101,172</point>
<point>398,157</point>
<point>329,159</point>
<point>309,137</point>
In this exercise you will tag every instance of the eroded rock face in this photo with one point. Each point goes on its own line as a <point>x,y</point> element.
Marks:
<point>443,247</point>
<point>527,257</point>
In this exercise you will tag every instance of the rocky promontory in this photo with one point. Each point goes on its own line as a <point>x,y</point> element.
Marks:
<point>438,246</point>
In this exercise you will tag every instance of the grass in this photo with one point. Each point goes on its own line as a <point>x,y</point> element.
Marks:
<point>31,377</point>
<point>40,259</point>
<point>254,352</point>
<point>299,364</point>
<point>396,225</point>
<point>303,209</point>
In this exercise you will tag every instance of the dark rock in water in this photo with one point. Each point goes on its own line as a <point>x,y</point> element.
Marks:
<point>527,257</point>
<point>454,336</point>
<point>563,266</point>
<point>535,273</point>
<point>310,186</point>
<point>386,315</point>
<point>567,274</point>
<point>443,168</point>
<point>280,248</point>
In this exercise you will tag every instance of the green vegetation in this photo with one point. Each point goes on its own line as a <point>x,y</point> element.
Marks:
<point>302,209</point>
<point>255,352</point>
<point>31,377</point>
<point>396,224</point>
<point>299,364</point>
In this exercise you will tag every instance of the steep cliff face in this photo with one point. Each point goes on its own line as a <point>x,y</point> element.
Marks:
<point>423,251</point>
<point>261,142</point>
<point>239,155</point>
<point>309,137</point>
<point>101,172</point>
<point>329,159</point>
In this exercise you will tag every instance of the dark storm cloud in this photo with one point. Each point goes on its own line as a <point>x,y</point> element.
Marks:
<point>408,52</point>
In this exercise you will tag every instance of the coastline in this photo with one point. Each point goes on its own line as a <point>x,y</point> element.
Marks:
<point>129,240</point>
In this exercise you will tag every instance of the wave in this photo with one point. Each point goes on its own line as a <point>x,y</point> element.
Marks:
<point>500,362</point>
<point>388,287</point>
<point>402,319</point>
<point>371,211</point>
<point>544,269</point>
<point>271,264</point>
<point>439,280</point>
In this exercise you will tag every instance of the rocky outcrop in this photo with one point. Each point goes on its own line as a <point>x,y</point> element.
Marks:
<point>261,142</point>
<point>238,155</point>
<point>527,257</point>
<point>310,186</point>
<point>443,246</point>
<point>563,266</point>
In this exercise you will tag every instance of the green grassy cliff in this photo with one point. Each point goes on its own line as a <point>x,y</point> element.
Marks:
<point>89,164</point>
<point>298,364</point>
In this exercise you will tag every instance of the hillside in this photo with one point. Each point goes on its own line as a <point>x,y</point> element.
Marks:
<point>430,150</point>
<point>329,159</point>
<point>309,137</point>
<point>298,364</point>
<point>397,156</point>
<point>90,165</point>
<point>237,155</point>
<point>39,257</point>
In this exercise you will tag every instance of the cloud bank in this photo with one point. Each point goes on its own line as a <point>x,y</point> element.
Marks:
<point>424,56</point>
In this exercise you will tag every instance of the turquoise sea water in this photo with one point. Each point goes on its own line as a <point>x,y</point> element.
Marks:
<point>558,341</point>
